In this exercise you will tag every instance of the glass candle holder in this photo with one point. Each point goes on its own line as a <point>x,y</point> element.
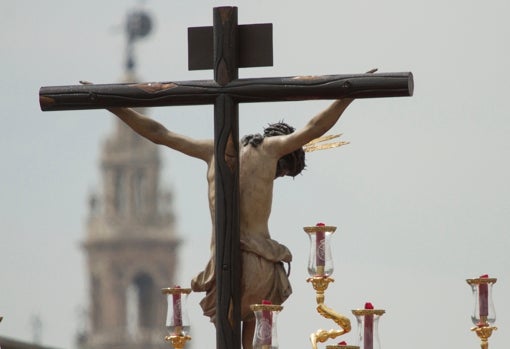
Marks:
<point>320,261</point>
<point>177,320</point>
<point>484,313</point>
<point>266,335</point>
<point>368,327</point>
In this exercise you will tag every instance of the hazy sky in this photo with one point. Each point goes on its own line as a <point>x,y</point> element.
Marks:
<point>420,196</point>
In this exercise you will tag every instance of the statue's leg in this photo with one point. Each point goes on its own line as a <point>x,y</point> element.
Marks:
<point>248,332</point>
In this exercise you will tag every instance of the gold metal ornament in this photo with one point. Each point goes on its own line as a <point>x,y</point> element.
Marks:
<point>268,307</point>
<point>322,228</point>
<point>320,284</point>
<point>175,290</point>
<point>178,342</point>
<point>362,312</point>
<point>318,143</point>
<point>484,332</point>
<point>479,281</point>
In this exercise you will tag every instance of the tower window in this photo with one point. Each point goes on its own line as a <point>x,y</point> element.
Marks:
<point>120,191</point>
<point>140,304</point>
<point>139,189</point>
<point>97,316</point>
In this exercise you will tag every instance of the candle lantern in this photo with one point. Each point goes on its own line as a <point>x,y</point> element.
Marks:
<point>266,335</point>
<point>484,314</point>
<point>320,267</point>
<point>177,320</point>
<point>368,324</point>
<point>320,261</point>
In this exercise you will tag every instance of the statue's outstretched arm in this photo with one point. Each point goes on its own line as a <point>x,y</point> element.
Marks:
<point>316,127</point>
<point>159,134</point>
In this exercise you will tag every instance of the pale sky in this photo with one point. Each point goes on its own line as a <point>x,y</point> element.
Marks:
<point>420,196</point>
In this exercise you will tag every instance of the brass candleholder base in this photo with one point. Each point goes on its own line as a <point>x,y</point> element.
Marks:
<point>178,341</point>
<point>320,284</point>
<point>484,332</point>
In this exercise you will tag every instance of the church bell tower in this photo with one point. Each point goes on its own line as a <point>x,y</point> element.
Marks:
<point>131,245</point>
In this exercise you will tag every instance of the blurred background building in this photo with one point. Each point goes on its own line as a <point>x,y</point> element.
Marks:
<point>131,245</point>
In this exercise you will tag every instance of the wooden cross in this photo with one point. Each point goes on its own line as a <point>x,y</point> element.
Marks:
<point>226,47</point>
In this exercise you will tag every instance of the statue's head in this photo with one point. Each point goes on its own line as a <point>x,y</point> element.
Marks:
<point>293,163</point>
<point>289,165</point>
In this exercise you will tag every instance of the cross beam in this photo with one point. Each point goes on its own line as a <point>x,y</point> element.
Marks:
<point>157,94</point>
<point>225,92</point>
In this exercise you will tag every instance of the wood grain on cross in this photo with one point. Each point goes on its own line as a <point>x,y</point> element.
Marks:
<point>226,47</point>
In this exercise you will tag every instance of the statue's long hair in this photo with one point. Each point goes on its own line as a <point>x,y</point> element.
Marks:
<point>289,165</point>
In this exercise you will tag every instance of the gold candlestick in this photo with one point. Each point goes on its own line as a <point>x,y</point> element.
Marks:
<point>482,292</point>
<point>320,284</point>
<point>484,332</point>
<point>320,267</point>
<point>177,321</point>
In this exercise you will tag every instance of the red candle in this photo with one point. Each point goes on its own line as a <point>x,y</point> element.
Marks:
<point>368,328</point>
<point>483,297</point>
<point>267,325</point>
<point>320,250</point>
<point>176,303</point>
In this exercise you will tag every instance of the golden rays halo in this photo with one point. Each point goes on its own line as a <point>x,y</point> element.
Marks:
<point>322,143</point>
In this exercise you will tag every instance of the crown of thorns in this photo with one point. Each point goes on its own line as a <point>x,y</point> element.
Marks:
<point>278,129</point>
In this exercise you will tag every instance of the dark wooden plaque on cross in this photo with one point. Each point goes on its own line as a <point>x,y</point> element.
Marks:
<point>225,48</point>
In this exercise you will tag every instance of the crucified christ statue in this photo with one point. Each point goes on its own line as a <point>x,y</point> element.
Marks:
<point>262,158</point>
<point>240,178</point>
